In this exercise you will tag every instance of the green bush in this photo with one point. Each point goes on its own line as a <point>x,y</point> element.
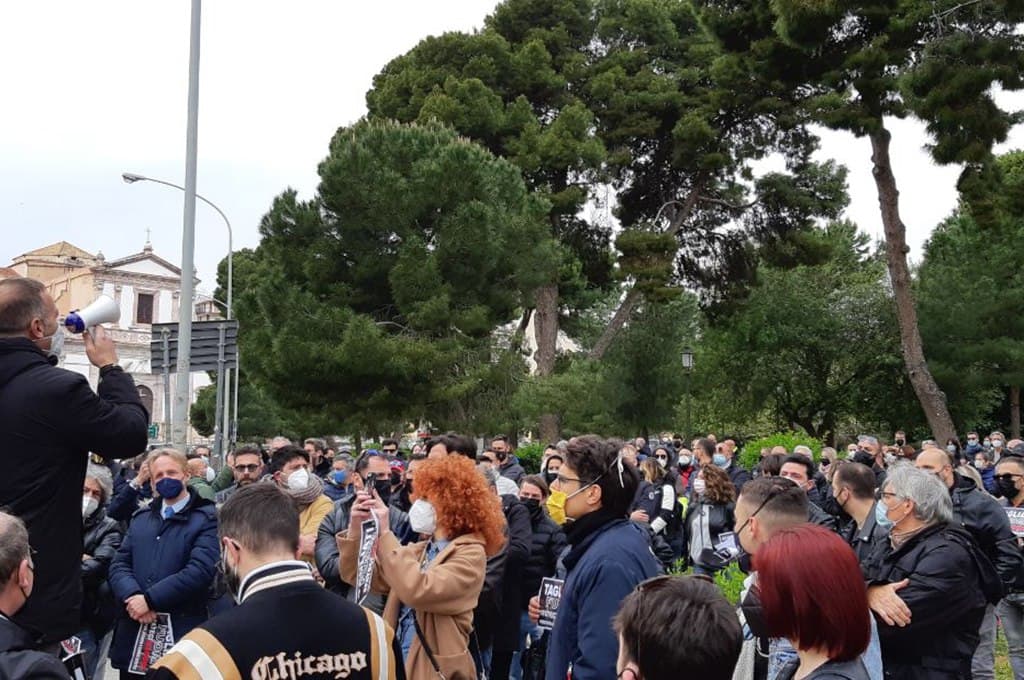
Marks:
<point>530,456</point>
<point>750,456</point>
<point>728,580</point>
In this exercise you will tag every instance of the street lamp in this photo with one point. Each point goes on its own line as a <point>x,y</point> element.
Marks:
<point>687,369</point>
<point>132,178</point>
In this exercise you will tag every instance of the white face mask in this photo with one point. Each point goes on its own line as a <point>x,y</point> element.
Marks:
<point>699,485</point>
<point>89,505</point>
<point>56,343</point>
<point>298,480</point>
<point>422,517</point>
<point>210,474</point>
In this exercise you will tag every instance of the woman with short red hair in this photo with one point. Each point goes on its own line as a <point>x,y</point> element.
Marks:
<point>812,593</point>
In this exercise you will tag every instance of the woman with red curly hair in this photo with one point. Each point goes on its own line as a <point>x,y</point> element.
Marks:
<point>433,585</point>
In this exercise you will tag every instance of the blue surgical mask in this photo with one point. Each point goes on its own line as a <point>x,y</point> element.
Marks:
<point>719,460</point>
<point>340,476</point>
<point>881,518</point>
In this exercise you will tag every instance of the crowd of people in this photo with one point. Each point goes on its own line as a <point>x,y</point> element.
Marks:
<point>891,561</point>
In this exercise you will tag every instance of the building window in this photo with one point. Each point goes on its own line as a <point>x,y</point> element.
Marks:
<point>144,309</point>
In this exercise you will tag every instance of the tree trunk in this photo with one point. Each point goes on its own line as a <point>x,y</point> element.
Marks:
<point>1014,412</point>
<point>626,307</point>
<point>933,401</point>
<point>545,329</point>
<point>633,296</point>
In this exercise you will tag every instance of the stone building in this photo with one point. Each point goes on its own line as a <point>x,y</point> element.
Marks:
<point>148,290</point>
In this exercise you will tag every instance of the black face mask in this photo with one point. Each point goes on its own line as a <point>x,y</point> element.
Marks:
<point>1007,488</point>
<point>532,504</point>
<point>383,488</point>
<point>550,477</point>
<point>404,494</point>
<point>396,478</point>
<point>752,612</point>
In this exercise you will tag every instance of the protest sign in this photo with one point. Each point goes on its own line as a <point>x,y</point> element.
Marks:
<point>152,642</point>
<point>550,598</point>
<point>364,573</point>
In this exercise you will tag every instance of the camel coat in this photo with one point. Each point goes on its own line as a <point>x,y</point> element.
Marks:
<point>444,597</point>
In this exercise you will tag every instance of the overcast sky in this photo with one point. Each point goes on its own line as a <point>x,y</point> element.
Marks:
<point>91,90</point>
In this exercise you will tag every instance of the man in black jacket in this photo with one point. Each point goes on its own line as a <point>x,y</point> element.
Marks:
<point>737,474</point>
<point>50,419</point>
<point>853,490</point>
<point>337,520</point>
<point>285,625</point>
<point>929,584</point>
<point>983,517</point>
<point>1010,482</point>
<point>18,659</point>
<point>497,617</point>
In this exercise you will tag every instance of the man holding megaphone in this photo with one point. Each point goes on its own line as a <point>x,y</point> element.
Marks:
<point>50,420</point>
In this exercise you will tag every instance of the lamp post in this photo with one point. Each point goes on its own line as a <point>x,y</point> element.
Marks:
<point>687,369</point>
<point>132,178</point>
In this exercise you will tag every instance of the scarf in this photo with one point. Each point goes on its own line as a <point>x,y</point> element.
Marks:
<point>576,532</point>
<point>305,497</point>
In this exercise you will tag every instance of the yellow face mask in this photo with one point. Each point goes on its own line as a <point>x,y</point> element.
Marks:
<point>556,504</point>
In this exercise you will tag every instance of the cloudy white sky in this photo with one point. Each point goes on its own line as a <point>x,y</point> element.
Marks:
<point>91,90</point>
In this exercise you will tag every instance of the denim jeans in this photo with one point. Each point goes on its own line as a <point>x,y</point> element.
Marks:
<point>1011,613</point>
<point>528,629</point>
<point>95,652</point>
<point>983,663</point>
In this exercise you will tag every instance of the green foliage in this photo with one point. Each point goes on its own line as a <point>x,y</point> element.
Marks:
<point>530,456</point>
<point>807,342</point>
<point>635,388</point>
<point>730,580</point>
<point>750,455</point>
<point>971,297</point>
<point>374,301</point>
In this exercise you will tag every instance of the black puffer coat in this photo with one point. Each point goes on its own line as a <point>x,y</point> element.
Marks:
<point>103,537</point>
<point>546,546</point>
<point>949,578</point>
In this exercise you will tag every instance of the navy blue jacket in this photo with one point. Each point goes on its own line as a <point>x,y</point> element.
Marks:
<point>602,570</point>
<point>170,561</point>
<point>50,419</point>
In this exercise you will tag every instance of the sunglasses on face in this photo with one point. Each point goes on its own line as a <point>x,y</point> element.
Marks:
<point>662,457</point>
<point>247,468</point>
<point>1007,477</point>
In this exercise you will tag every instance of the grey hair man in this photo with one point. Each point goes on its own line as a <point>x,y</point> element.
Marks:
<point>987,522</point>
<point>929,585</point>
<point>17,658</point>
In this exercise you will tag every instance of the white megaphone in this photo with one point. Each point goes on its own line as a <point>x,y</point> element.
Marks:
<point>102,310</point>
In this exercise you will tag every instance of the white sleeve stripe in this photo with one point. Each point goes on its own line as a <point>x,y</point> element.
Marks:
<point>199,659</point>
<point>668,497</point>
<point>383,648</point>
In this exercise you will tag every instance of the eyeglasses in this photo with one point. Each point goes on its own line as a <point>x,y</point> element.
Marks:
<point>563,480</point>
<point>771,494</point>
<point>247,468</point>
<point>886,495</point>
